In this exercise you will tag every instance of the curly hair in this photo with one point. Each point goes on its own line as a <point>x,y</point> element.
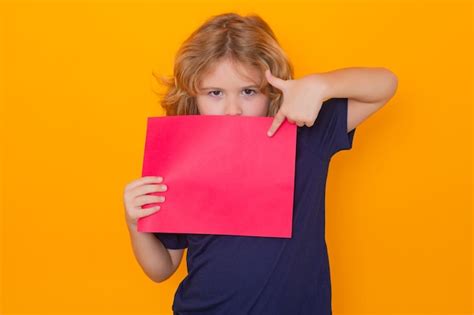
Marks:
<point>247,40</point>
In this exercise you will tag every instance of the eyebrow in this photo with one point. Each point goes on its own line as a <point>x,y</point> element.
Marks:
<point>216,88</point>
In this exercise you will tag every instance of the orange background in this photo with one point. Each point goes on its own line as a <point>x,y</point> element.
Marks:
<point>76,88</point>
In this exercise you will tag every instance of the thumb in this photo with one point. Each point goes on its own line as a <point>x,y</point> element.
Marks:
<point>276,82</point>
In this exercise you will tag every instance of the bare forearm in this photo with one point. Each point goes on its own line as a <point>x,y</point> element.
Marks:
<point>361,83</point>
<point>151,254</point>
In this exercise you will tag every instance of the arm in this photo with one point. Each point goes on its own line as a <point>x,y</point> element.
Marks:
<point>367,90</point>
<point>158,262</point>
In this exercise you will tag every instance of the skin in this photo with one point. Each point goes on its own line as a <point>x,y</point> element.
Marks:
<point>225,91</point>
<point>367,90</point>
<point>233,96</point>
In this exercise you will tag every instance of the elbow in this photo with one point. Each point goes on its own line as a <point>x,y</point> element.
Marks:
<point>390,84</point>
<point>394,83</point>
<point>161,275</point>
<point>157,280</point>
<point>158,275</point>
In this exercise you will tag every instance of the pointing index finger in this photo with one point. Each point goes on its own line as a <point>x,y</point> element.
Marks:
<point>276,123</point>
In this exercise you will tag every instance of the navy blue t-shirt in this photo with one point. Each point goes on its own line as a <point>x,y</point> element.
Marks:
<point>269,275</point>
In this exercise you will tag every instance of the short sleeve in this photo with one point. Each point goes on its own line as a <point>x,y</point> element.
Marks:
<point>330,128</point>
<point>172,240</point>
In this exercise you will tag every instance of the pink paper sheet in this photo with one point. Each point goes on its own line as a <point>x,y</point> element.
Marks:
<point>224,175</point>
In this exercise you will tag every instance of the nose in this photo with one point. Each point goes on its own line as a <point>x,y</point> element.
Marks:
<point>233,108</point>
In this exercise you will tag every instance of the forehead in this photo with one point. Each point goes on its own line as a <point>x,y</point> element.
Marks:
<point>230,74</point>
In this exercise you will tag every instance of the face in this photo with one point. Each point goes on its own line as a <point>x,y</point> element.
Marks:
<point>225,91</point>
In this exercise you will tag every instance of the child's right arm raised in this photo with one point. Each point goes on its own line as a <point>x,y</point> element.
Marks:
<point>154,258</point>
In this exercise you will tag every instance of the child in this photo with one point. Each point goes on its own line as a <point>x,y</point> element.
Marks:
<point>221,70</point>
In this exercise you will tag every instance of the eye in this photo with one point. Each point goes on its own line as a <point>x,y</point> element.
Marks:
<point>213,92</point>
<point>253,91</point>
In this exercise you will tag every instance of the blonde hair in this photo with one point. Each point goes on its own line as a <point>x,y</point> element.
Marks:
<point>247,40</point>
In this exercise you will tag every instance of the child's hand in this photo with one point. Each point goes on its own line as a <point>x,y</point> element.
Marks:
<point>302,100</point>
<point>136,194</point>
